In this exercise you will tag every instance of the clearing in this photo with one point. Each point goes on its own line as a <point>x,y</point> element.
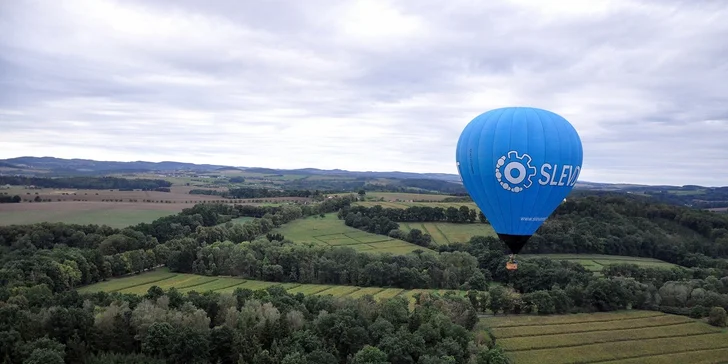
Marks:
<point>330,231</point>
<point>403,196</point>
<point>404,205</point>
<point>623,337</point>
<point>184,282</point>
<point>444,233</point>
<point>597,262</point>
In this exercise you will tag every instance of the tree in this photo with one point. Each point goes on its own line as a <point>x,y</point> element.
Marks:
<point>369,355</point>
<point>492,356</point>
<point>482,218</point>
<point>717,317</point>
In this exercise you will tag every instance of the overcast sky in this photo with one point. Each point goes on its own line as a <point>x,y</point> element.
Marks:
<point>364,85</point>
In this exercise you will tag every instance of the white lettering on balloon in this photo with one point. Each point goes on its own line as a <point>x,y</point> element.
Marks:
<point>514,171</point>
<point>555,175</point>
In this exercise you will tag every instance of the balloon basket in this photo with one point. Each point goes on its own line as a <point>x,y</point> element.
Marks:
<point>511,266</point>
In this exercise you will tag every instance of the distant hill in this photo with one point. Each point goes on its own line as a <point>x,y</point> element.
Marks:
<point>689,195</point>
<point>88,165</point>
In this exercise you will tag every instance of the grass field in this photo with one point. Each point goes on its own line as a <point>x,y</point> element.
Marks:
<point>397,196</point>
<point>611,337</point>
<point>597,262</point>
<point>404,205</point>
<point>163,278</point>
<point>445,233</point>
<point>330,231</point>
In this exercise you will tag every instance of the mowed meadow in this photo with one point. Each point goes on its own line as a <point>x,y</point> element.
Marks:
<point>626,337</point>
<point>139,284</point>
<point>330,231</point>
<point>597,262</point>
<point>444,233</point>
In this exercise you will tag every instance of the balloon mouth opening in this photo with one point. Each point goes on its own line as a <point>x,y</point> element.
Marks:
<point>514,242</point>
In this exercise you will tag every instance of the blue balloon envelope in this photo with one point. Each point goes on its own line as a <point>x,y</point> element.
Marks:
<point>518,164</point>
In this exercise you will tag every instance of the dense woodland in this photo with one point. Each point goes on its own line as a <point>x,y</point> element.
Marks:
<point>43,320</point>
<point>460,215</point>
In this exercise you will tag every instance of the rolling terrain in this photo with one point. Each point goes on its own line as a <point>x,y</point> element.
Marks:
<point>216,245</point>
<point>689,195</point>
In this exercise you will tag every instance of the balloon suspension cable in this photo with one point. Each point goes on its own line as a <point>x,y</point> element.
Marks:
<point>515,243</point>
<point>512,263</point>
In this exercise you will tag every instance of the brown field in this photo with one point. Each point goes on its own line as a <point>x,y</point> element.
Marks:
<point>179,193</point>
<point>114,214</point>
<point>111,207</point>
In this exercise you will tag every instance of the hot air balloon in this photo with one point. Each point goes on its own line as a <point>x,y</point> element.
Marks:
<point>518,164</point>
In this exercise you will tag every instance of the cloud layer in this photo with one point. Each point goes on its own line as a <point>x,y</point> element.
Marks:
<point>364,85</point>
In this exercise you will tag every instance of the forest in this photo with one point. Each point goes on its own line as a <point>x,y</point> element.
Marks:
<point>464,214</point>
<point>44,320</point>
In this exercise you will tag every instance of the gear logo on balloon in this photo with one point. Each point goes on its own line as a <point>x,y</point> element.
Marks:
<point>506,166</point>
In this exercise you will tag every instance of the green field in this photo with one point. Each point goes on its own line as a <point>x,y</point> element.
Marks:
<point>445,233</point>
<point>597,262</point>
<point>163,278</point>
<point>610,337</point>
<point>404,205</point>
<point>402,196</point>
<point>330,231</point>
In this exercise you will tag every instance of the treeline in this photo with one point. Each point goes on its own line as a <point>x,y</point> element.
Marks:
<point>461,215</point>
<point>307,263</point>
<point>10,199</point>
<point>545,286</point>
<point>90,183</point>
<point>264,326</point>
<point>249,192</point>
<point>633,226</point>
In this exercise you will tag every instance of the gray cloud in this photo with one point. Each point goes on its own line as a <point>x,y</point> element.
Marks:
<point>364,85</point>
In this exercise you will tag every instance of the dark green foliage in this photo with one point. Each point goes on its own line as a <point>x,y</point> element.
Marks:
<point>266,326</point>
<point>717,317</point>
<point>451,214</point>
<point>623,225</point>
<point>90,183</point>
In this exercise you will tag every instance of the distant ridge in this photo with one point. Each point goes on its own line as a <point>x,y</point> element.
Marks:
<point>29,165</point>
<point>90,166</point>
